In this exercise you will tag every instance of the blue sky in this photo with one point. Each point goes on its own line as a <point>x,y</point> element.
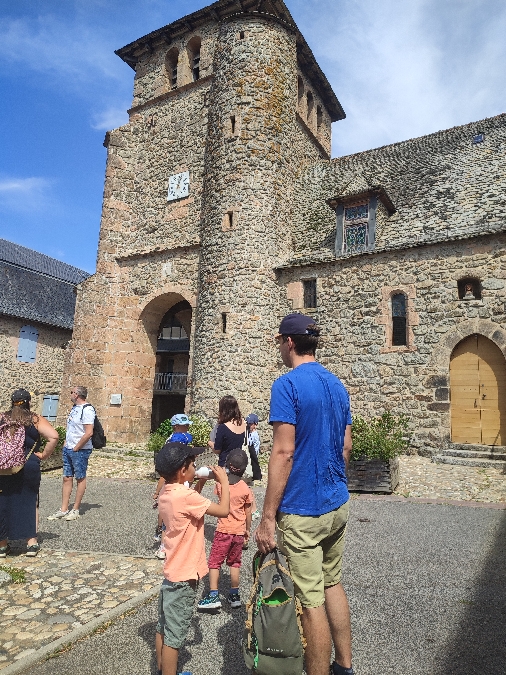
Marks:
<point>401,68</point>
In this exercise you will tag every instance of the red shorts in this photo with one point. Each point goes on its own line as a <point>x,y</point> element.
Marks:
<point>226,546</point>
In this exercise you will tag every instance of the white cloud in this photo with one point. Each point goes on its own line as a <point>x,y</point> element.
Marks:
<point>26,195</point>
<point>110,118</point>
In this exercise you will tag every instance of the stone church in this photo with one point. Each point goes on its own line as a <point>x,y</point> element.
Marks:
<point>223,211</point>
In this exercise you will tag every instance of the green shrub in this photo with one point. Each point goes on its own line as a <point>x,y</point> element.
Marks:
<point>200,430</point>
<point>383,437</point>
<point>61,440</point>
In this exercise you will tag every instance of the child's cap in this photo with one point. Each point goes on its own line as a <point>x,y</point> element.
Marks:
<point>172,457</point>
<point>252,419</point>
<point>181,419</point>
<point>236,463</point>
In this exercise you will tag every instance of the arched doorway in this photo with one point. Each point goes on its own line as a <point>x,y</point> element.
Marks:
<point>172,360</point>
<point>478,392</point>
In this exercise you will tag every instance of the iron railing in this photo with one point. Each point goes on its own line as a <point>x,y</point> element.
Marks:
<point>176,382</point>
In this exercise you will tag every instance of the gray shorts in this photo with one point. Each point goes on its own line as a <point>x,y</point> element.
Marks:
<point>175,611</point>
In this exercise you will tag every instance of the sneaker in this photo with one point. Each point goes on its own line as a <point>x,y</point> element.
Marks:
<point>210,602</point>
<point>4,551</point>
<point>234,599</point>
<point>255,515</point>
<point>31,551</point>
<point>58,515</point>
<point>245,546</point>
<point>73,514</point>
<point>160,554</point>
<point>158,534</point>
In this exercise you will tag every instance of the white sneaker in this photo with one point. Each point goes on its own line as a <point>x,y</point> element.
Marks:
<point>255,515</point>
<point>160,554</point>
<point>73,514</point>
<point>58,515</point>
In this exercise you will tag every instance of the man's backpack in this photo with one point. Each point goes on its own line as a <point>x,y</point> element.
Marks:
<point>98,438</point>
<point>273,642</point>
<point>12,447</point>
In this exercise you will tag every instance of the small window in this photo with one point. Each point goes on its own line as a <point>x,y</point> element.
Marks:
<point>50,406</point>
<point>194,57</point>
<point>27,347</point>
<point>309,286</point>
<point>241,35</point>
<point>223,322</point>
<point>319,117</point>
<point>173,331</point>
<point>232,125</point>
<point>300,89</point>
<point>171,62</point>
<point>356,228</point>
<point>310,105</point>
<point>399,320</point>
<point>469,289</point>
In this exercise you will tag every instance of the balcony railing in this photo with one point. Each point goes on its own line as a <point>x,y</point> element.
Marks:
<point>176,382</point>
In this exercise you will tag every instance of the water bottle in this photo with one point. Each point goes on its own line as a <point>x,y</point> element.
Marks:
<point>204,472</point>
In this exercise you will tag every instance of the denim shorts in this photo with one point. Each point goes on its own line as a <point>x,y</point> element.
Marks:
<point>75,463</point>
<point>175,611</point>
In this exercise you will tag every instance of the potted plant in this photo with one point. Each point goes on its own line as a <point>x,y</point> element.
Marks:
<point>377,444</point>
<point>55,460</point>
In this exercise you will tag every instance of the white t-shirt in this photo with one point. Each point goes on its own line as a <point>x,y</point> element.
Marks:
<point>75,425</point>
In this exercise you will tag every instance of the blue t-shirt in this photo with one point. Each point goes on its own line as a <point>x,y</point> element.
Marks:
<point>180,437</point>
<point>317,403</point>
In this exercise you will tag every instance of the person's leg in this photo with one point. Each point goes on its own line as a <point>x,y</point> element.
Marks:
<point>81,487</point>
<point>214,576</point>
<point>66,491</point>
<point>234,577</point>
<point>338,614</point>
<point>317,633</point>
<point>158,650</point>
<point>169,660</point>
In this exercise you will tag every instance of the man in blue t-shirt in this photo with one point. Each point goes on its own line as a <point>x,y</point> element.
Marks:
<point>307,494</point>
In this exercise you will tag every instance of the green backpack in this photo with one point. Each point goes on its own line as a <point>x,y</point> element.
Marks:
<point>273,642</point>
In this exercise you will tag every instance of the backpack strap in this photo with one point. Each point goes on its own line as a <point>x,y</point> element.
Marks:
<point>86,405</point>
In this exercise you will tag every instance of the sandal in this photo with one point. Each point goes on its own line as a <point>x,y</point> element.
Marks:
<point>31,551</point>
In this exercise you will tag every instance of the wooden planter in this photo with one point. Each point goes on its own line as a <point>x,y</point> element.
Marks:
<point>373,475</point>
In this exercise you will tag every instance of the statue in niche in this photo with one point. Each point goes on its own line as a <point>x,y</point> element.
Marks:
<point>468,292</point>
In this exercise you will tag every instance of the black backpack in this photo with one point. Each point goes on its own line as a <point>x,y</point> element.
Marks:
<point>98,439</point>
<point>273,642</point>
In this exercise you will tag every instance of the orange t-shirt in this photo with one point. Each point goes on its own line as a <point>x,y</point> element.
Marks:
<point>183,512</point>
<point>240,496</point>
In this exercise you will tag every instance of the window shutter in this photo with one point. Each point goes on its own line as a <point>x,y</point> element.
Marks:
<point>50,407</point>
<point>27,348</point>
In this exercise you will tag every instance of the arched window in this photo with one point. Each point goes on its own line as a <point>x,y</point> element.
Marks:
<point>300,90</point>
<point>310,105</point>
<point>469,289</point>
<point>194,57</point>
<point>27,346</point>
<point>399,335</point>
<point>171,61</point>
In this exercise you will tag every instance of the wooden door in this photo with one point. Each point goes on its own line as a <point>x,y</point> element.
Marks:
<point>478,392</point>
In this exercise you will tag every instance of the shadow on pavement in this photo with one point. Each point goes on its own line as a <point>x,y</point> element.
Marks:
<point>480,646</point>
<point>147,632</point>
<point>84,508</point>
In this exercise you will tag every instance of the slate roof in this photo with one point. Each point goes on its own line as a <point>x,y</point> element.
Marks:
<point>35,287</point>
<point>443,186</point>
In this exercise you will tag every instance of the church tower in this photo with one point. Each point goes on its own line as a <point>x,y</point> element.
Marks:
<point>229,107</point>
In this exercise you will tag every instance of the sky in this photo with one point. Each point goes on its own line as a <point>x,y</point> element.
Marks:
<point>400,68</point>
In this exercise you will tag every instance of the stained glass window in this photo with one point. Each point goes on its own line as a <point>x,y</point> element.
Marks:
<point>357,212</point>
<point>356,238</point>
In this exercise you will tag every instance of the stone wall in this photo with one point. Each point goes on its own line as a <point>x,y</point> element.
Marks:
<point>42,377</point>
<point>353,311</point>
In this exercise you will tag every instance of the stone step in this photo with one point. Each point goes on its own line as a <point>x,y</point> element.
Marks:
<point>467,461</point>
<point>491,449</point>
<point>474,454</point>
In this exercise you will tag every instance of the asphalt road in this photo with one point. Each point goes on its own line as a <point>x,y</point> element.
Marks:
<point>426,584</point>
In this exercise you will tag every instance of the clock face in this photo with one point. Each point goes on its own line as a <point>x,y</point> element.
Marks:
<point>179,186</point>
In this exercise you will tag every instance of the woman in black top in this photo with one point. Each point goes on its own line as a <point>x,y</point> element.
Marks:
<point>231,428</point>
<point>19,492</point>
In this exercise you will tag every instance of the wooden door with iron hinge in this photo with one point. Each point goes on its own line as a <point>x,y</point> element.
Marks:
<point>478,392</point>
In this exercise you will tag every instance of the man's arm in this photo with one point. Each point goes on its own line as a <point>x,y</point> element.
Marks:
<point>347,446</point>
<point>280,467</point>
<point>88,433</point>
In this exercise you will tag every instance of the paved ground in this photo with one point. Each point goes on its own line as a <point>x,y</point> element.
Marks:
<point>427,588</point>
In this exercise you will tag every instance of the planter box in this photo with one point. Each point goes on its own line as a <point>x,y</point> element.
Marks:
<point>55,461</point>
<point>373,475</point>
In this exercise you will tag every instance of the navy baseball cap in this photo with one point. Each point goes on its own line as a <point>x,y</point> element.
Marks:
<point>297,324</point>
<point>172,457</point>
<point>236,463</point>
<point>252,419</point>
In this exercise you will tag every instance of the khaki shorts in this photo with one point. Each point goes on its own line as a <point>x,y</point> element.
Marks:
<point>175,611</point>
<point>314,547</point>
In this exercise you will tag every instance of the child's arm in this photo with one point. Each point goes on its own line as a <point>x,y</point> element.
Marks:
<point>222,509</point>
<point>199,485</point>
<point>159,486</point>
<point>247,509</point>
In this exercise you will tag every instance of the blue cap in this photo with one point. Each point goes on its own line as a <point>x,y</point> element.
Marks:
<point>181,419</point>
<point>297,324</point>
<point>252,419</point>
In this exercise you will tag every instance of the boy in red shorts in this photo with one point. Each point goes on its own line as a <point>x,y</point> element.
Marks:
<point>231,533</point>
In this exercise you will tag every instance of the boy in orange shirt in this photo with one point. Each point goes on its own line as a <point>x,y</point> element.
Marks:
<point>231,533</point>
<point>183,512</point>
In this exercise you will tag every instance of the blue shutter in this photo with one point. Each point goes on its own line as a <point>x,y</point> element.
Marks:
<point>50,407</point>
<point>27,347</point>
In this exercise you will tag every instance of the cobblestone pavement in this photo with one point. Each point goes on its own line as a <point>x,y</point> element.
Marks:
<point>419,477</point>
<point>64,590</point>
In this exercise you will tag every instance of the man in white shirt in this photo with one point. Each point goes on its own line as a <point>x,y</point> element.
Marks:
<point>76,453</point>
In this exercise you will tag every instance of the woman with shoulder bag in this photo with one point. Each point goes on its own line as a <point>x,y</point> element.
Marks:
<point>19,492</point>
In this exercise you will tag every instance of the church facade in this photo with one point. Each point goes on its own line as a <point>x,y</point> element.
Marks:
<point>223,211</point>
